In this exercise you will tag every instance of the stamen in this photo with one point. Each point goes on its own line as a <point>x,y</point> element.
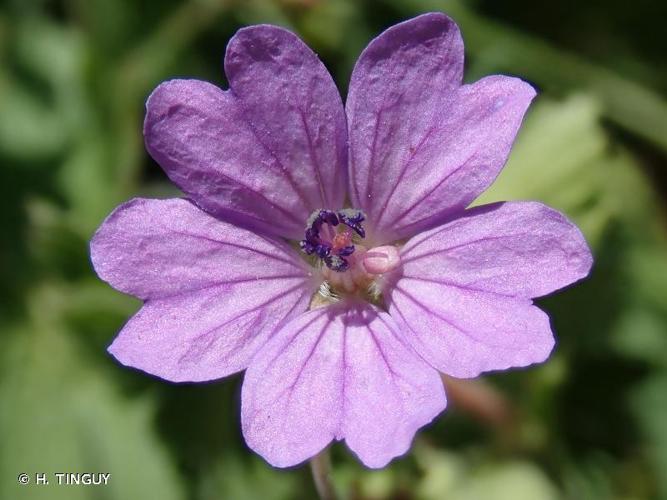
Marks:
<point>329,217</point>
<point>353,218</point>
<point>329,244</point>
<point>348,266</point>
<point>346,251</point>
<point>322,250</point>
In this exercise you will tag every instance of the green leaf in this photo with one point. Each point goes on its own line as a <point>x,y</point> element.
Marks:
<point>29,127</point>
<point>239,478</point>
<point>503,49</point>
<point>650,405</point>
<point>449,476</point>
<point>507,481</point>
<point>563,158</point>
<point>61,414</point>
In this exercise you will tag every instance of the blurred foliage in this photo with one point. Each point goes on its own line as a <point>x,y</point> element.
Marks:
<point>589,424</point>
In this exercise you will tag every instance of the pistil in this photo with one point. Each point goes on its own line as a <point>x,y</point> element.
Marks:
<point>333,246</point>
<point>347,265</point>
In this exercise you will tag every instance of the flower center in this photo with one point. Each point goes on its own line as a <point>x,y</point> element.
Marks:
<point>329,236</point>
<point>334,238</point>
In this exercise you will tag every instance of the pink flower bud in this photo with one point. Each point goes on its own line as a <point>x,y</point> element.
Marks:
<point>380,260</point>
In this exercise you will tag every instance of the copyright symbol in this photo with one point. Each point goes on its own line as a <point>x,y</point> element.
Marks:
<point>24,478</point>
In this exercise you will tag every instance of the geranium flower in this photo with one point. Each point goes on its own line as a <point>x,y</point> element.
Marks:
<point>328,250</point>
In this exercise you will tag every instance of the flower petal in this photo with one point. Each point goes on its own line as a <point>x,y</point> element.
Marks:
<point>294,105</point>
<point>389,392</point>
<point>522,249</point>
<point>464,332</point>
<point>265,153</point>
<point>291,398</point>
<point>161,248</point>
<point>464,293</point>
<point>214,292</point>
<point>422,146</point>
<point>466,150</point>
<point>333,373</point>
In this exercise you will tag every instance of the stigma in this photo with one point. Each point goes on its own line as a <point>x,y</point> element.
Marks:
<point>335,238</point>
<point>329,236</point>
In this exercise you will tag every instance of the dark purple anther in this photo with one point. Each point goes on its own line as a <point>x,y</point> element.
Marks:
<point>345,251</point>
<point>353,218</point>
<point>332,252</point>
<point>315,226</point>
<point>322,250</point>
<point>312,235</point>
<point>328,216</point>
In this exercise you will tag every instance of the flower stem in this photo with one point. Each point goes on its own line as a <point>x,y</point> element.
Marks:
<point>320,466</point>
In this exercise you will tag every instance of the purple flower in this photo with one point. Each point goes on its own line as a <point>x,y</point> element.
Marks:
<point>328,250</point>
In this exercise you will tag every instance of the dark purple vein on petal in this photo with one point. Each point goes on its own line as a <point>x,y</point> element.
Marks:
<point>217,284</point>
<point>278,325</point>
<point>434,125</point>
<point>279,163</point>
<point>460,286</point>
<point>252,192</point>
<point>290,388</point>
<point>343,386</point>
<point>314,160</point>
<point>239,246</point>
<point>413,299</point>
<point>411,258</point>
<point>404,170</point>
<point>426,195</point>
<point>239,316</point>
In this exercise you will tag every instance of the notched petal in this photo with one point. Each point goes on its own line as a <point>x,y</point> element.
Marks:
<point>390,393</point>
<point>267,152</point>
<point>464,294</point>
<point>464,332</point>
<point>340,372</point>
<point>214,292</point>
<point>396,92</point>
<point>522,249</point>
<point>423,146</point>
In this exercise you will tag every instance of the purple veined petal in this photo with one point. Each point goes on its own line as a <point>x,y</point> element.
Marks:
<point>291,396</point>
<point>213,292</point>
<point>521,249</point>
<point>463,296</point>
<point>265,153</point>
<point>423,147</point>
<point>395,95</point>
<point>390,393</point>
<point>209,334</point>
<point>294,105</point>
<point>341,372</point>
<point>460,159</point>
<point>160,248</point>
<point>464,332</point>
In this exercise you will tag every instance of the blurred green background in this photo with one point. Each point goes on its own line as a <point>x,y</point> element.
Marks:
<point>589,424</point>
